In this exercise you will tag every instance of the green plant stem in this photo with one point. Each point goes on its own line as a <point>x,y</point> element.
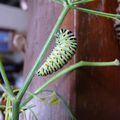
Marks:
<point>68,2</point>
<point>71,68</point>
<point>81,2</point>
<point>6,91</point>
<point>42,54</point>
<point>98,13</point>
<point>6,81</point>
<point>7,108</point>
<point>15,109</point>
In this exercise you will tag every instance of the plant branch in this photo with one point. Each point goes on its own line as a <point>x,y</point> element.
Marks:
<point>81,2</point>
<point>42,54</point>
<point>6,92</point>
<point>6,81</point>
<point>15,109</point>
<point>69,69</point>
<point>7,109</point>
<point>98,13</point>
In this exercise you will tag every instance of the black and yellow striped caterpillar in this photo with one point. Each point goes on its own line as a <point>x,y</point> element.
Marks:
<point>117,23</point>
<point>66,46</point>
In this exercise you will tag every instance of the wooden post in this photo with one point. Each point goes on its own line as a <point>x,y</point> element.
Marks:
<point>98,88</point>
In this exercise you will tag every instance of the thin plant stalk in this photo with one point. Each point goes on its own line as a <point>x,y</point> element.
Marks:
<point>7,109</point>
<point>6,81</point>
<point>15,109</point>
<point>69,69</point>
<point>81,2</point>
<point>98,13</point>
<point>4,89</point>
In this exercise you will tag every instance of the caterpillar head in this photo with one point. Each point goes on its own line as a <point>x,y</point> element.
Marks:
<point>40,72</point>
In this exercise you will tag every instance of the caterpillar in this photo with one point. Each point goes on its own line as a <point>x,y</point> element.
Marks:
<point>117,23</point>
<point>66,45</point>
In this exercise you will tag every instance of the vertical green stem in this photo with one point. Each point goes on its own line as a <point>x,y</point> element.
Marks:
<point>15,109</point>
<point>42,54</point>
<point>7,108</point>
<point>5,79</point>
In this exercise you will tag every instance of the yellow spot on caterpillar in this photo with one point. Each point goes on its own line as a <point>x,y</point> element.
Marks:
<point>59,63</point>
<point>46,65</point>
<point>62,49</point>
<point>54,57</point>
<point>59,53</point>
<point>67,45</point>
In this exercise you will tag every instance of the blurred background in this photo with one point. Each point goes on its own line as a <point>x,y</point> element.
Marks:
<point>13,25</point>
<point>14,3</point>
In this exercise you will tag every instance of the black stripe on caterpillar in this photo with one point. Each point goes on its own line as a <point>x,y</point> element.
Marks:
<point>66,45</point>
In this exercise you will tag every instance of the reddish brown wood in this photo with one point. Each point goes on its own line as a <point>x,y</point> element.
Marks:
<point>92,92</point>
<point>98,88</point>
